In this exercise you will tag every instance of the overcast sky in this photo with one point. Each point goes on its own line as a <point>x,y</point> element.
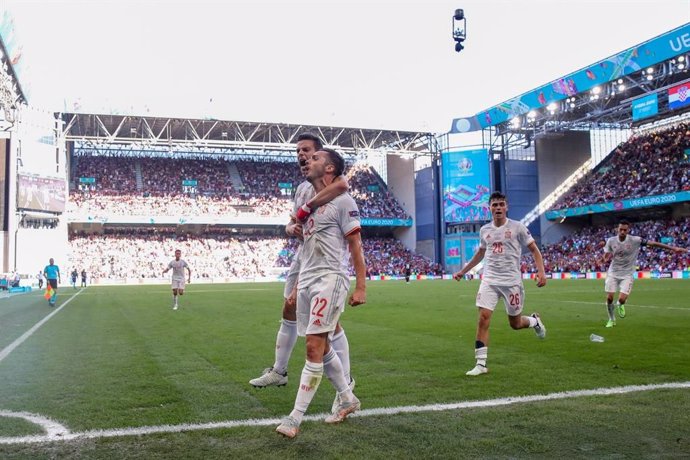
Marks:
<point>355,63</point>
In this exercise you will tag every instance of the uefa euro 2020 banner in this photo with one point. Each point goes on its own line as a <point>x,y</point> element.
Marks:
<point>40,193</point>
<point>466,186</point>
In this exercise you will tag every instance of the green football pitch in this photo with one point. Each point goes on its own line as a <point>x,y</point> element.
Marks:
<point>114,372</point>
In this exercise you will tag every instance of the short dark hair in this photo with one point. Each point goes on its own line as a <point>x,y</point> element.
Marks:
<point>336,160</point>
<point>624,222</point>
<point>498,196</point>
<point>318,144</point>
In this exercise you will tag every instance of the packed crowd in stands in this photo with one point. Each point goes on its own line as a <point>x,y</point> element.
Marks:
<point>144,253</point>
<point>113,174</point>
<point>262,178</point>
<point>651,163</point>
<point>371,195</point>
<point>583,251</point>
<point>164,176</point>
<point>161,191</point>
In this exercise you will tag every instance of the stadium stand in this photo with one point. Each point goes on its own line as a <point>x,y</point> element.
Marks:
<point>649,163</point>
<point>143,253</point>
<point>582,251</point>
<point>116,191</point>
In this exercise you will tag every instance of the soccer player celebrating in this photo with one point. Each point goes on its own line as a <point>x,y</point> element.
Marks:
<point>178,266</point>
<point>306,199</point>
<point>322,290</point>
<point>502,241</point>
<point>622,251</point>
<point>52,274</point>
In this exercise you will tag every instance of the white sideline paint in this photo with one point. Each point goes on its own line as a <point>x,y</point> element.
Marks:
<point>10,348</point>
<point>62,434</point>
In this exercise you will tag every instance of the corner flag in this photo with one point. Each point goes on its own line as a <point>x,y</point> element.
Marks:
<point>49,292</point>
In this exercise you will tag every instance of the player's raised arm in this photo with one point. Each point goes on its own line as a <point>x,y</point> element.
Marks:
<point>667,247</point>
<point>354,241</point>
<point>539,261</point>
<point>478,257</point>
<point>332,190</point>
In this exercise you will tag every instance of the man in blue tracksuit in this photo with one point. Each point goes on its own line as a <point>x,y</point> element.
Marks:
<point>52,274</point>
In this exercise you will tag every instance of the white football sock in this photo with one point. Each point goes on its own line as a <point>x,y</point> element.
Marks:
<point>334,371</point>
<point>285,342</point>
<point>308,384</point>
<point>342,347</point>
<point>481,354</point>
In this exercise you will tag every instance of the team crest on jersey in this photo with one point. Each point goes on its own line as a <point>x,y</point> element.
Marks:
<point>507,234</point>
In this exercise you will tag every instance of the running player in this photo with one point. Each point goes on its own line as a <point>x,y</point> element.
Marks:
<point>622,251</point>
<point>502,241</point>
<point>178,267</point>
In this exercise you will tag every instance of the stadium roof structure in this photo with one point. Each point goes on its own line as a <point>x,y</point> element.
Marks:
<point>601,95</point>
<point>129,134</point>
<point>11,64</point>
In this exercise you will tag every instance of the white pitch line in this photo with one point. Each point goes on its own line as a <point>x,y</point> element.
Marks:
<point>10,348</point>
<point>660,307</point>
<point>51,427</point>
<point>67,436</point>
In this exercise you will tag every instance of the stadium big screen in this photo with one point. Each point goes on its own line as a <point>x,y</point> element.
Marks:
<point>40,193</point>
<point>466,186</point>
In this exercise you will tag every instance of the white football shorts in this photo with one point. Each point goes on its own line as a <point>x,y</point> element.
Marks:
<point>320,305</point>
<point>513,297</point>
<point>291,278</point>
<point>622,284</point>
<point>178,284</point>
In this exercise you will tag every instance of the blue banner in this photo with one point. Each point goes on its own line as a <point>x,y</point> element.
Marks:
<point>644,107</point>
<point>466,186</point>
<point>453,253</point>
<point>471,246</point>
<point>635,59</point>
<point>382,222</point>
<point>641,202</point>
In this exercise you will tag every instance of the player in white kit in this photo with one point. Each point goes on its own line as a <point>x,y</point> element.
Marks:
<point>178,267</point>
<point>306,198</point>
<point>502,241</point>
<point>622,251</point>
<point>331,234</point>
